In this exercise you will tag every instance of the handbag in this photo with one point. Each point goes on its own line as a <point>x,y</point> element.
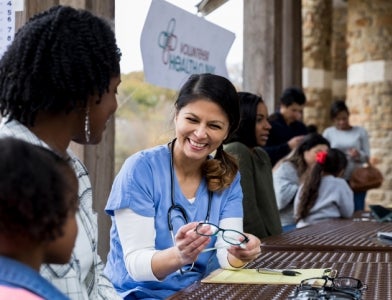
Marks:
<point>365,177</point>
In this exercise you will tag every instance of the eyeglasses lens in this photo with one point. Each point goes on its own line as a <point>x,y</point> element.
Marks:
<point>314,282</point>
<point>347,282</point>
<point>207,229</point>
<point>230,236</point>
<point>233,237</point>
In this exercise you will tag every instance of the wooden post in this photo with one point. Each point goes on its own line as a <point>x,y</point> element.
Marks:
<point>291,44</point>
<point>262,49</point>
<point>272,48</point>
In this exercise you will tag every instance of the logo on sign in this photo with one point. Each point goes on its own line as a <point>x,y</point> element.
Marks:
<point>190,60</point>
<point>167,40</point>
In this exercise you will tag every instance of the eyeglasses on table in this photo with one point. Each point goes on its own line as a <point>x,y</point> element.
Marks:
<point>329,286</point>
<point>230,236</point>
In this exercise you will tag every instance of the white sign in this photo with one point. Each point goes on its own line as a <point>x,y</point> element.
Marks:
<point>7,24</point>
<point>175,44</point>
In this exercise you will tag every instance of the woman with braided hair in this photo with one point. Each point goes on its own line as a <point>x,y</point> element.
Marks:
<point>324,194</point>
<point>58,83</point>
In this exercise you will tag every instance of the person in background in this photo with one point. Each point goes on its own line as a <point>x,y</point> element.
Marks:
<point>323,194</point>
<point>162,196</point>
<point>261,214</point>
<point>287,130</point>
<point>352,140</point>
<point>312,128</point>
<point>290,171</point>
<point>58,83</point>
<point>29,234</point>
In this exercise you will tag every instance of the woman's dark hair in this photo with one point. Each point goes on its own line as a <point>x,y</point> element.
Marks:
<point>335,162</point>
<point>337,107</point>
<point>57,60</point>
<point>221,170</point>
<point>34,191</point>
<point>245,132</point>
<point>310,141</point>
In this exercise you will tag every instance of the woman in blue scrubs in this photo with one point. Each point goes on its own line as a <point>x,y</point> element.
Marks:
<point>162,194</point>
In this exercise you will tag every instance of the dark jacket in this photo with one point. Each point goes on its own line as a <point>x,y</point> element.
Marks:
<point>280,134</point>
<point>261,214</point>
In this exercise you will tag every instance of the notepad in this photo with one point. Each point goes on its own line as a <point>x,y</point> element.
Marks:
<point>251,276</point>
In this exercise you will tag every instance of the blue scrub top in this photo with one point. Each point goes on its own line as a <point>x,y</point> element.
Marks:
<point>144,185</point>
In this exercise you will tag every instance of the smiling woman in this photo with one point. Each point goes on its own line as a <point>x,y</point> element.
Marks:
<point>161,194</point>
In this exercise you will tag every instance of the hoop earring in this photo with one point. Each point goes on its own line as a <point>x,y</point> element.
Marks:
<point>87,126</point>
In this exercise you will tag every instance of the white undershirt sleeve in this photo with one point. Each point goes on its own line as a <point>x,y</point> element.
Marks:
<point>228,223</point>
<point>137,238</point>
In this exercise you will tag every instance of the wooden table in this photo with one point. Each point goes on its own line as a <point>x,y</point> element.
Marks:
<point>377,276</point>
<point>333,235</point>
<point>350,246</point>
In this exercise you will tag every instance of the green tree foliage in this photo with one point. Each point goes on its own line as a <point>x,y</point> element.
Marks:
<point>136,95</point>
<point>144,116</point>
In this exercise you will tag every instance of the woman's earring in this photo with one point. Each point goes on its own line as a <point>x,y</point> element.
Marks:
<point>87,125</point>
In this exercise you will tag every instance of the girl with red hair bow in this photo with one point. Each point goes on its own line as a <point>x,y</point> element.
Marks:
<point>324,194</point>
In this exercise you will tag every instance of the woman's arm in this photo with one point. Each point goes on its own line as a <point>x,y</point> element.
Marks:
<point>364,151</point>
<point>236,257</point>
<point>145,263</point>
<point>346,205</point>
<point>137,238</point>
<point>286,182</point>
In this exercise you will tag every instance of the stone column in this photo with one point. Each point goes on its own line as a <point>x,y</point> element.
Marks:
<point>316,71</point>
<point>338,51</point>
<point>369,92</point>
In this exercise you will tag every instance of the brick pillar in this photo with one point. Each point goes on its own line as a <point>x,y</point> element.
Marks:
<point>316,71</point>
<point>369,92</point>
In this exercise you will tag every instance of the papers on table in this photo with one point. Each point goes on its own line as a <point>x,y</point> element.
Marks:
<point>251,276</point>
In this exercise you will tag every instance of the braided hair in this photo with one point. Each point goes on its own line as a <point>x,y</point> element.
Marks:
<point>57,60</point>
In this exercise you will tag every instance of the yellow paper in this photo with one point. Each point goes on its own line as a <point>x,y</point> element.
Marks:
<point>251,276</point>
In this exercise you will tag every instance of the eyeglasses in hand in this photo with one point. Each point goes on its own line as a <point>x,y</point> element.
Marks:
<point>230,236</point>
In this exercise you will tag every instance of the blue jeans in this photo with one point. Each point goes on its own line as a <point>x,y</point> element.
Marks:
<point>289,227</point>
<point>359,201</point>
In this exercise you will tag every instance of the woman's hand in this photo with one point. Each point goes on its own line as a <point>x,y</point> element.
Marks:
<point>190,244</point>
<point>241,255</point>
<point>354,153</point>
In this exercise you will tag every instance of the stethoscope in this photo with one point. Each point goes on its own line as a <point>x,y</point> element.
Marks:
<point>174,206</point>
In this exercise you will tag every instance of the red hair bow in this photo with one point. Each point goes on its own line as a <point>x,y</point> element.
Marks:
<point>321,157</point>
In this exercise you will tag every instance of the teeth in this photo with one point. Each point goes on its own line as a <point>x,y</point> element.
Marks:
<point>196,144</point>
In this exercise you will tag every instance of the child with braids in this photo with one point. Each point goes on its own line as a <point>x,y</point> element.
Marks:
<point>324,194</point>
<point>38,203</point>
